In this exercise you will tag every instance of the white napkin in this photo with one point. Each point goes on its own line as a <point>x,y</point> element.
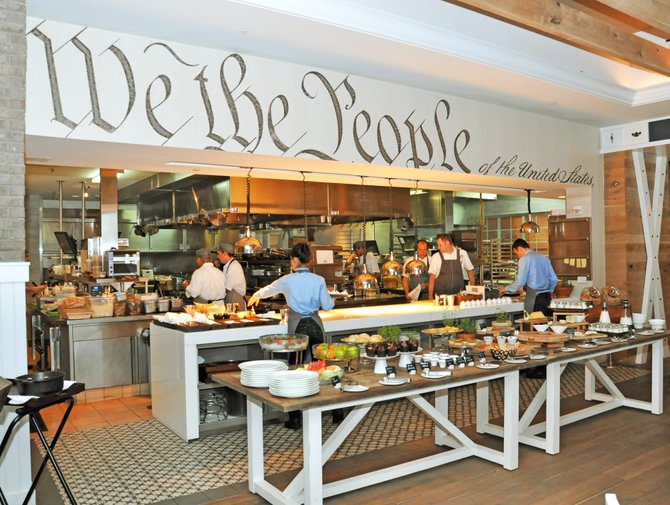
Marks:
<point>19,399</point>
<point>415,293</point>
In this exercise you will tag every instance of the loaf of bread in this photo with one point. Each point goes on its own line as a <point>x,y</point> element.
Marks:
<point>75,302</point>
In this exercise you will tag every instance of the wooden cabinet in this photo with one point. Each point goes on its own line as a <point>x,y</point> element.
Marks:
<point>570,246</point>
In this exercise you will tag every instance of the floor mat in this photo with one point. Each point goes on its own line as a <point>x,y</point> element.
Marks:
<point>145,462</point>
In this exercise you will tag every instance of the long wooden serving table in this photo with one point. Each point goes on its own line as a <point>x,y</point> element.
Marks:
<point>549,394</point>
<point>308,487</point>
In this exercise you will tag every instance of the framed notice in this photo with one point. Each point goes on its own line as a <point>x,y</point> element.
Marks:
<point>324,257</point>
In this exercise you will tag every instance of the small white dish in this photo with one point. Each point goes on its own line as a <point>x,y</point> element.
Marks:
<point>354,388</point>
<point>567,349</point>
<point>515,361</point>
<point>392,382</point>
<point>537,357</point>
<point>646,332</point>
<point>587,346</point>
<point>488,366</point>
<point>435,375</point>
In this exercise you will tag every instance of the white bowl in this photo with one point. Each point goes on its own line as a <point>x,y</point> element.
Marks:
<point>540,327</point>
<point>557,328</point>
<point>657,324</point>
<point>579,318</point>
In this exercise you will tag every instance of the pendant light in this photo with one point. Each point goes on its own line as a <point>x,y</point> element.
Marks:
<point>364,283</point>
<point>529,226</point>
<point>391,269</point>
<point>248,244</point>
<point>416,267</point>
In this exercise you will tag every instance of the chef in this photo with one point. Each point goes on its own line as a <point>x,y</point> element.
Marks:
<point>536,276</point>
<point>411,282</point>
<point>305,294</point>
<point>446,268</point>
<point>236,284</point>
<point>208,284</point>
<point>360,257</point>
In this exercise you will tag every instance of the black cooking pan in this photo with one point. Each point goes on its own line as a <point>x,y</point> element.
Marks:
<point>39,383</point>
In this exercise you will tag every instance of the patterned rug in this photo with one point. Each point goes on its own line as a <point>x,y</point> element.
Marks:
<point>145,462</point>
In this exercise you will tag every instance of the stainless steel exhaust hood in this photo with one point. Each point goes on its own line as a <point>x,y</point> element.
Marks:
<point>175,200</point>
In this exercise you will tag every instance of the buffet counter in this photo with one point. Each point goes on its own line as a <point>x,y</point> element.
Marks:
<point>175,387</point>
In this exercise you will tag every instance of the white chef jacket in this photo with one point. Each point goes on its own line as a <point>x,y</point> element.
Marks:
<point>207,282</point>
<point>436,262</point>
<point>235,280</point>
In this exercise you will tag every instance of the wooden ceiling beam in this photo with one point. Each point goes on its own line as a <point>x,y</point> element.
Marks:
<point>571,23</point>
<point>655,13</point>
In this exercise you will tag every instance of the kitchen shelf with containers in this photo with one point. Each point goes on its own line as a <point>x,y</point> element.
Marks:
<point>570,246</point>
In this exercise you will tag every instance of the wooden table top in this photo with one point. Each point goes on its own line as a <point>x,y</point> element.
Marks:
<point>328,395</point>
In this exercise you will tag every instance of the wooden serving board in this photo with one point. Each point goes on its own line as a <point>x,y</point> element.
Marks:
<point>547,338</point>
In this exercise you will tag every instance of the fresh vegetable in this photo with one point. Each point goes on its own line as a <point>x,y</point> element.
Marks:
<point>390,333</point>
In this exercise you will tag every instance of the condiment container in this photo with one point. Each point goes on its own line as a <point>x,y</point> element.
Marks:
<point>163,304</point>
<point>102,306</point>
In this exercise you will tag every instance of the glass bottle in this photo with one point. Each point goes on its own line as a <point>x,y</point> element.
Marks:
<point>626,317</point>
<point>604,314</point>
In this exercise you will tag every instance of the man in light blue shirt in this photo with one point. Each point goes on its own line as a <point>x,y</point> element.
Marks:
<point>536,276</point>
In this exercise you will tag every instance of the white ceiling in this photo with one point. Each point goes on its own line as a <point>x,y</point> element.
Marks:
<point>428,44</point>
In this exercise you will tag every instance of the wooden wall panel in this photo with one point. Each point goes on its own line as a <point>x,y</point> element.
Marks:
<point>624,238</point>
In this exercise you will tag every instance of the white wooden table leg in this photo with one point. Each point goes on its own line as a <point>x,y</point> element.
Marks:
<point>589,384</point>
<point>442,406</point>
<point>313,466</point>
<point>255,442</point>
<point>553,408</point>
<point>482,405</point>
<point>511,427</point>
<point>657,377</point>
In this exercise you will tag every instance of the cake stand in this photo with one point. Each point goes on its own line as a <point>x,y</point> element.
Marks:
<point>407,357</point>
<point>381,363</point>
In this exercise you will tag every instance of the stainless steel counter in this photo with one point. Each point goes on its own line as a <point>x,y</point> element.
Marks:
<point>100,352</point>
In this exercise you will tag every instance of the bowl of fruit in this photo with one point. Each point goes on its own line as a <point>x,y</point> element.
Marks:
<point>284,342</point>
<point>326,372</point>
<point>335,352</point>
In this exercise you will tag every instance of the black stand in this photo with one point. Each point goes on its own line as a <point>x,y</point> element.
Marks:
<point>32,409</point>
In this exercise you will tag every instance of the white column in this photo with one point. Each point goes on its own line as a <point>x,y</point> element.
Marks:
<point>15,474</point>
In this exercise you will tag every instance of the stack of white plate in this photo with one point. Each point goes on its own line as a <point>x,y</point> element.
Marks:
<point>257,374</point>
<point>294,383</point>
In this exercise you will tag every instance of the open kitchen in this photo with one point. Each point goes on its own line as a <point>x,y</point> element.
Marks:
<point>315,276</point>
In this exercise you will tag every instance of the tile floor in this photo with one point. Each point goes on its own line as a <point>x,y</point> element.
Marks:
<point>101,414</point>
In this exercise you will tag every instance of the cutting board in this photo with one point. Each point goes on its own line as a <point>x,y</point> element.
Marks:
<point>548,338</point>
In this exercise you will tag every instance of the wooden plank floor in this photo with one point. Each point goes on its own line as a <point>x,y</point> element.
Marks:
<point>624,451</point>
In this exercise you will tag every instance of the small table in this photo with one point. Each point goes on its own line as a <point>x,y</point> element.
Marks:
<point>31,409</point>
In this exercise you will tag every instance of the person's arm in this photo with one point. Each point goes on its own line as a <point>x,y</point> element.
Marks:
<point>194,287</point>
<point>405,286</point>
<point>468,266</point>
<point>553,280</point>
<point>267,291</point>
<point>431,286</point>
<point>327,301</point>
<point>521,278</point>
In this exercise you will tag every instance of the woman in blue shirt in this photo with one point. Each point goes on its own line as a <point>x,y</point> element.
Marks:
<point>305,294</point>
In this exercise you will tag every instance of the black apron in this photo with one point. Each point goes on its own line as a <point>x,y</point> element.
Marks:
<point>415,280</point>
<point>315,337</point>
<point>537,301</point>
<point>450,279</point>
